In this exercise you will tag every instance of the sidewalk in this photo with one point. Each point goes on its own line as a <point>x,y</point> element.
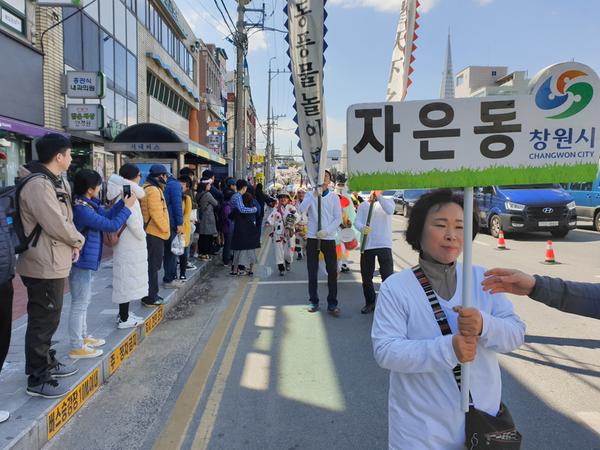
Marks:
<point>34,421</point>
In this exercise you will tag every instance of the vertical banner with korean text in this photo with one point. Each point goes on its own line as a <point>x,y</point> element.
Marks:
<point>402,56</point>
<point>306,38</point>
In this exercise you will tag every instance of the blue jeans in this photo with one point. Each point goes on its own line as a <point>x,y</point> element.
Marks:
<point>170,260</point>
<point>80,282</point>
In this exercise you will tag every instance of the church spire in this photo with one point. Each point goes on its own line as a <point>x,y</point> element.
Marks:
<point>447,88</point>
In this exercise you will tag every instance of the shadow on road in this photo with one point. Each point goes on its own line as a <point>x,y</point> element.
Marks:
<point>570,342</point>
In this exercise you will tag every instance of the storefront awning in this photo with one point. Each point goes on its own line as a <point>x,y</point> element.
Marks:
<point>147,138</point>
<point>27,129</point>
<point>203,152</point>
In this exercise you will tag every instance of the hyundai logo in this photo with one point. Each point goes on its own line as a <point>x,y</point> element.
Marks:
<point>548,210</point>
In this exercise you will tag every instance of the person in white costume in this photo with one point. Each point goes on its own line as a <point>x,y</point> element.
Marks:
<point>424,399</point>
<point>283,219</point>
<point>130,255</point>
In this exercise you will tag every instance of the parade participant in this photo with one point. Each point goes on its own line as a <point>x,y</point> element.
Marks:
<point>421,352</point>
<point>379,243</point>
<point>348,218</point>
<point>301,225</point>
<point>331,217</point>
<point>91,221</point>
<point>572,297</point>
<point>283,219</point>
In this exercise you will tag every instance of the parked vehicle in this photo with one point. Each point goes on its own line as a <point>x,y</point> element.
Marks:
<point>405,200</point>
<point>541,207</point>
<point>587,201</point>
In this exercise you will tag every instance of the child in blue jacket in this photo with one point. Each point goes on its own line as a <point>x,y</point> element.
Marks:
<point>91,220</point>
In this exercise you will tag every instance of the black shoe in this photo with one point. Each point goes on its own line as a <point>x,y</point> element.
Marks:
<point>335,311</point>
<point>299,257</point>
<point>282,273</point>
<point>62,371</point>
<point>314,307</point>
<point>288,266</point>
<point>368,309</point>
<point>345,268</point>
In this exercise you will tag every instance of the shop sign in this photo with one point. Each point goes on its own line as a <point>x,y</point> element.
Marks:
<point>214,140</point>
<point>146,147</point>
<point>214,125</point>
<point>85,84</point>
<point>546,137</point>
<point>12,21</point>
<point>85,117</point>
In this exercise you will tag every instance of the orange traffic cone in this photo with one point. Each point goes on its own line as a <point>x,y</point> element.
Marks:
<point>550,257</point>
<point>501,242</point>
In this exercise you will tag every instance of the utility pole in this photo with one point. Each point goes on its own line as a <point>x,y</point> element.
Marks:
<point>241,43</point>
<point>269,153</point>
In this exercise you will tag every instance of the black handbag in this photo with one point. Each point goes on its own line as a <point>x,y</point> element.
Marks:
<point>482,430</point>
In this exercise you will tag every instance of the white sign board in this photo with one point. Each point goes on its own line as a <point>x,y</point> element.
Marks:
<point>306,32</point>
<point>85,117</point>
<point>549,136</point>
<point>85,84</point>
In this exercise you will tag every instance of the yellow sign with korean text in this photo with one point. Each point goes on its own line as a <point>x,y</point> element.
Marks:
<point>123,351</point>
<point>152,321</point>
<point>74,400</point>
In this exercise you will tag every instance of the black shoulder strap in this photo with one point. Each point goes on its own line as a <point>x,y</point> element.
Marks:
<point>438,313</point>
<point>34,237</point>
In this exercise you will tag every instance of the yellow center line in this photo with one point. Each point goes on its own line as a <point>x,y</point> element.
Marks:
<point>177,426</point>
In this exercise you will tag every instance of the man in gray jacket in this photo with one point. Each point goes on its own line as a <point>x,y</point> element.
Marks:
<point>569,296</point>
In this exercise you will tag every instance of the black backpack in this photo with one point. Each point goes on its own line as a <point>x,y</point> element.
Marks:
<point>13,239</point>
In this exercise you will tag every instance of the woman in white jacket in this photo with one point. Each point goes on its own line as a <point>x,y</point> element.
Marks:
<point>424,399</point>
<point>130,256</point>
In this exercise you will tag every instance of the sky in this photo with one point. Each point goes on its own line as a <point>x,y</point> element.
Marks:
<point>521,34</point>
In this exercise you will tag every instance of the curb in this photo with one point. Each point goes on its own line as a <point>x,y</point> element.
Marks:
<point>120,345</point>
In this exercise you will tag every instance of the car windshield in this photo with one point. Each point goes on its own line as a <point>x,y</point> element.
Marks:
<point>414,193</point>
<point>532,186</point>
<point>388,192</point>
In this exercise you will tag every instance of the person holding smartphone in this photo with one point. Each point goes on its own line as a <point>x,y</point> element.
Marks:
<point>130,255</point>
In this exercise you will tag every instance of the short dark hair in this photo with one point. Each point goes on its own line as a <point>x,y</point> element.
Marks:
<point>438,197</point>
<point>186,171</point>
<point>239,184</point>
<point>50,145</point>
<point>208,174</point>
<point>227,194</point>
<point>185,179</point>
<point>84,180</point>
<point>248,198</point>
<point>129,171</point>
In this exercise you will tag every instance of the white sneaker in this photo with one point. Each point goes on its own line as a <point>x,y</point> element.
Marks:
<point>131,322</point>
<point>135,316</point>
<point>84,353</point>
<point>4,415</point>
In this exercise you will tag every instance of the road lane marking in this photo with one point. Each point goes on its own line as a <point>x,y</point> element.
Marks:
<point>177,426</point>
<point>265,318</point>
<point>211,411</point>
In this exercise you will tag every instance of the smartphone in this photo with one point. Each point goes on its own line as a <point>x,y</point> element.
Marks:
<point>126,191</point>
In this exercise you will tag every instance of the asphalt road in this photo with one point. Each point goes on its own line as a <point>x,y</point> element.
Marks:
<point>241,364</point>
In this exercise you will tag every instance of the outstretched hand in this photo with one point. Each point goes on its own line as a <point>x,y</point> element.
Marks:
<point>510,281</point>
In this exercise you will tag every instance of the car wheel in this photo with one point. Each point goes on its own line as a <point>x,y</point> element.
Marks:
<point>495,225</point>
<point>597,222</point>
<point>405,211</point>
<point>559,233</point>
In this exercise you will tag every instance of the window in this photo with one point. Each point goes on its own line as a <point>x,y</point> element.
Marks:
<point>161,91</point>
<point>131,33</point>
<point>108,102</point>
<point>460,80</point>
<point>108,53</point>
<point>120,68</point>
<point>72,39</point>
<point>131,76</point>
<point>91,10</point>
<point>131,113</point>
<point>493,73</point>
<point>91,45</point>
<point>106,15</point>
<point>141,11</point>
<point>120,19</point>
<point>120,108</point>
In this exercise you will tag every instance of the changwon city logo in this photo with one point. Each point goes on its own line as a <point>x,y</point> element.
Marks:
<point>566,92</point>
